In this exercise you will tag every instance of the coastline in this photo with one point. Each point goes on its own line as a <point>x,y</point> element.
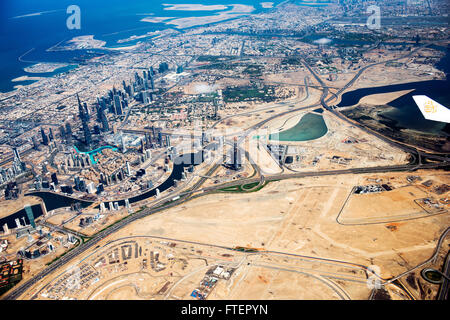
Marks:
<point>27,78</point>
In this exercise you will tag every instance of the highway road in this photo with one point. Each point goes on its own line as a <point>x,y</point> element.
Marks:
<point>443,290</point>
<point>420,155</point>
<point>185,196</point>
<point>429,260</point>
<point>21,288</point>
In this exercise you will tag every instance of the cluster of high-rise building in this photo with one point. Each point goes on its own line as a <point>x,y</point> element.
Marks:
<point>82,186</point>
<point>116,101</point>
<point>142,88</point>
<point>18,167</point>
<point>66,132</point>
<point>113,206</point>
<point>75,160</point>
<point>41,184</point>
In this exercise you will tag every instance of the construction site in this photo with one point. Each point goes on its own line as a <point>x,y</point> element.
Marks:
<point>306,248</point>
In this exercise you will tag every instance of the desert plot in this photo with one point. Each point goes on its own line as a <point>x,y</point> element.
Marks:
<point>260,155</point>
<point>302,251</point>
<point>272,283</point>
<point>391,205</point>
<point>224,219</point>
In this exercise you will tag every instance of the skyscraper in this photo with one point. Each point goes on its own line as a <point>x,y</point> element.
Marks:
<point>104,120</point>
<point>84,121</point>
<point>30,216</point>
<point>62,132</point>
<point>68,130</point>
<point>236,156</point>
<point>146,97</point>
<point>124,147</point>
<point>18,164</point>
<point>35,143</point>
<point>80,108</point>
<point>16,155</point>
<point>54,178</point>
<point>44,137</point>
<point>50,134</point>
<point>117,105</point>
<point>99,109</point>
<point>142,146</point>
<point>128,168</point>
<point>160,140</point>
<point>152,81</point>
<point>167,141</point>
<point>87,133</point>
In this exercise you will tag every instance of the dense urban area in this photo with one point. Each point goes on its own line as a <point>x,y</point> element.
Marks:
<point>222,161</point>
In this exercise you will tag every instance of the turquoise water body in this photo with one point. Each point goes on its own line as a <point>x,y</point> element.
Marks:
<point>92,153</point>
<point>32,27</point>
<point>310,127</point>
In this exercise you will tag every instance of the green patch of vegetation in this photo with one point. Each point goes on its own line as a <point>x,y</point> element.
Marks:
<point>249,93</point>
<point>394,64</point>
<point>291,61</point>
<point>212,58</point>
<point>85,239</point>
<point>230,189</point>
<point>253,69</point>
<point>243,249</point>
<point>370,37</point>
<point>219,66</point>
<point>249,187</point>
<point>433,275</point>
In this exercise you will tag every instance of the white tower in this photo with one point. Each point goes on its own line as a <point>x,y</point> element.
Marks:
<point>5,229</point>
<point>148,154</point>
<point>128,168</point>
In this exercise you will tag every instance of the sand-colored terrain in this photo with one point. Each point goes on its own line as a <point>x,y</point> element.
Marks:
<point>261,157</point>
<point>383,98</point>
<point>397,204</point>
<point>303,222</point>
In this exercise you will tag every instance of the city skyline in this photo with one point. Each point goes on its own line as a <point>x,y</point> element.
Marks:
<point>226,151</point>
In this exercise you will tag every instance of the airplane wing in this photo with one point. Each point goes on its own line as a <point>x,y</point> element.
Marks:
<point>432,110</point>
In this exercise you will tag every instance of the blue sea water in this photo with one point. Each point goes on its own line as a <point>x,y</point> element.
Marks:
<point>23,30</point>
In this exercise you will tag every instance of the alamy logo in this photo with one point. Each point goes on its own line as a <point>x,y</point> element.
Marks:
<point>373,280</point>
<point>374,20</point>
<point>73,281</point>
<point>74,20</point>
